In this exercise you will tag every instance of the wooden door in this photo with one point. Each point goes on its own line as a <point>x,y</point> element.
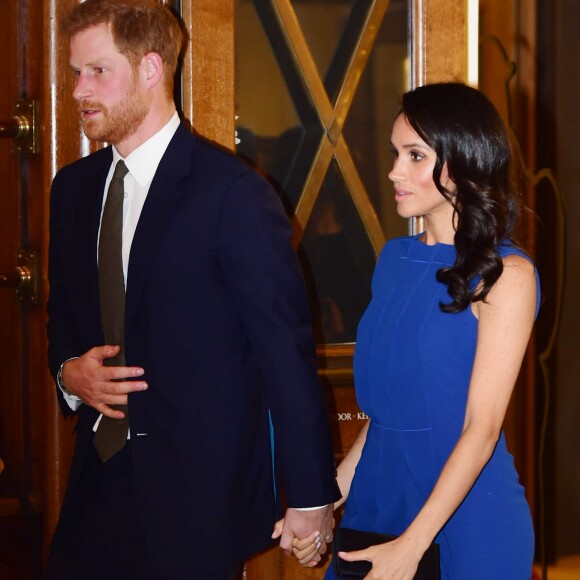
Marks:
<point>22,320</point>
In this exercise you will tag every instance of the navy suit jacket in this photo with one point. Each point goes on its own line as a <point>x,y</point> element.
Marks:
<point>217,315</point>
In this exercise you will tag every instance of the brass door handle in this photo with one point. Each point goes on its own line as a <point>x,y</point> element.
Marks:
<point>19,278</point>
<point>24,278</point>
<point>23,127</point>
<point>17,127</point>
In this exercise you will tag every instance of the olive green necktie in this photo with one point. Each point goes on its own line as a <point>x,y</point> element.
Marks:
<point>111,434</point>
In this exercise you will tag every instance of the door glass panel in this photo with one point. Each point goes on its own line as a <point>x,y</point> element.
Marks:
<point>317,87</point>
<point>376,103</point>
<point>327,20</point>
<point>338,260</point>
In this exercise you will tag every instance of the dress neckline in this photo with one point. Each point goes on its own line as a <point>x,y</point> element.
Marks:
<point>440,252</point>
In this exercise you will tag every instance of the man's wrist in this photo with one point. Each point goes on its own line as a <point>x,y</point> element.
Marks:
<point>59,380</point>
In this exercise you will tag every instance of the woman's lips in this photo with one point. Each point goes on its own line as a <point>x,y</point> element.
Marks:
<point>401,194</point>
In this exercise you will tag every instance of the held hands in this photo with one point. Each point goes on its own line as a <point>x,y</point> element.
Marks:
<point>99,386</point>
<point>306,551</point>
<point>305,533</point>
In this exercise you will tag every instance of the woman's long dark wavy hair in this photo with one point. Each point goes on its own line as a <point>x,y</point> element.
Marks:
<point>466,132</point>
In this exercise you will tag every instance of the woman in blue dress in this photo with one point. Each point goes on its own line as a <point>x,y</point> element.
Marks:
<point>438,353</point>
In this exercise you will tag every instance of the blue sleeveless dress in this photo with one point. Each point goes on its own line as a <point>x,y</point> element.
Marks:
<point>412,368</point>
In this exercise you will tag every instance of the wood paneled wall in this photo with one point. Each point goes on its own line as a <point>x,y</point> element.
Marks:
<point>508,77</point>
<point>62,143</point>
<point>208,69</point>
<point>439,43</point>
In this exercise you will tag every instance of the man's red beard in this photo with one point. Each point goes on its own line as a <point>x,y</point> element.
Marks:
<point>113,124</point>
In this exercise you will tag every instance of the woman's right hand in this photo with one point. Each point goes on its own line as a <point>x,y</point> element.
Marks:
<point>396,560</point>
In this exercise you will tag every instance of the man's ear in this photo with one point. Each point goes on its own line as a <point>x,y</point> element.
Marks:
<point>152,68</point>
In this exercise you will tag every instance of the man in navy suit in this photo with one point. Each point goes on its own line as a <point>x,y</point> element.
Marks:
<point>218,348</point>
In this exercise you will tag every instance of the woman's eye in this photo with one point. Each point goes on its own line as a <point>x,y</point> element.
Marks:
<point>416,156</point>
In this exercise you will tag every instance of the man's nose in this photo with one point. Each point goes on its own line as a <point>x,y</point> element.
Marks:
<point>82,88</point>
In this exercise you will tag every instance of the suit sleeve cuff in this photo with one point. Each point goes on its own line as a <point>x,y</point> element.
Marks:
<point>71,400</point>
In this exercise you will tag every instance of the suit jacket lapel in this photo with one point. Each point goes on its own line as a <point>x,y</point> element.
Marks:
<point>162,199</point>
<point>87,219</point>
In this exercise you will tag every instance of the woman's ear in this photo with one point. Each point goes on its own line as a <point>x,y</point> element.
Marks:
<point>446,180</point>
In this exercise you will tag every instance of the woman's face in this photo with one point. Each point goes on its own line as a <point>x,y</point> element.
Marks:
<point>412,175</point>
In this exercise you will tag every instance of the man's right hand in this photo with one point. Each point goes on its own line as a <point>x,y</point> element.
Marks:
<point>98,385</point>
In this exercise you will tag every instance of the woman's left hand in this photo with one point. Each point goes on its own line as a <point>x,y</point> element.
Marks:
<point>396,560</point>
<point>306,551</point>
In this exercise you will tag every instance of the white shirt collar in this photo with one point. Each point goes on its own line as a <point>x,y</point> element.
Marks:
<point>143,161</point>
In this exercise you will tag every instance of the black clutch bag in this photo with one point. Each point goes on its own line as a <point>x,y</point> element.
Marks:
<point>347,540</point>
